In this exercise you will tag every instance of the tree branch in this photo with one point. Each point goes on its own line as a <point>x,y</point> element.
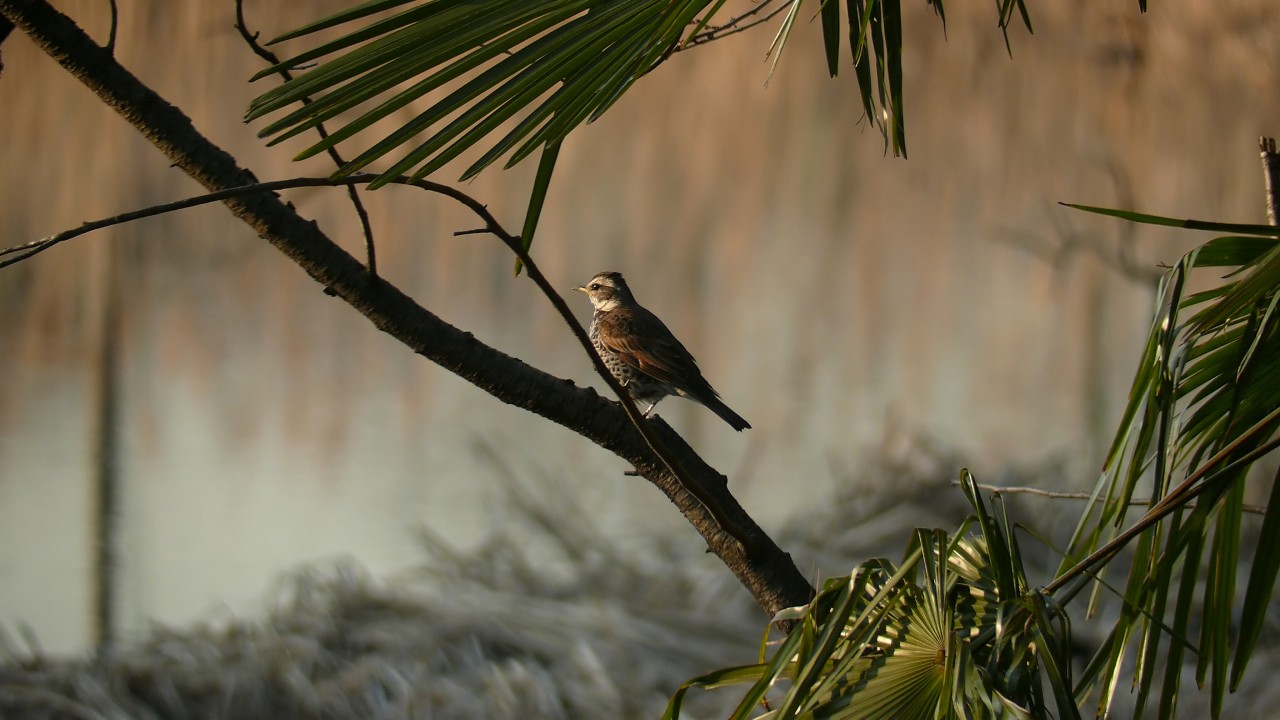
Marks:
<point>491,227</point>
<point>767,572</point>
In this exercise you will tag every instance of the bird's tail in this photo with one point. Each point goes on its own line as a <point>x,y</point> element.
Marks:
<point>717,406</point>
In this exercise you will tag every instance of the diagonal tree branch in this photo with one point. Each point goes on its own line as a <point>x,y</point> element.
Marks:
<point>491,227</point>
<point>767,572</point>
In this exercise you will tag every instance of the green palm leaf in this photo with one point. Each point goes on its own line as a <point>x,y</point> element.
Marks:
<point>549,65</point>
<point>1202,410</point>
<point>931,638</point>
<point>541,67</point>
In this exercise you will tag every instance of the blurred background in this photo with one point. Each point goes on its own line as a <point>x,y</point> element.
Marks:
<point>845,302</point>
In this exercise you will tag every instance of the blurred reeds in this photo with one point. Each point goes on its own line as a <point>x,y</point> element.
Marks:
<point>552,616</point>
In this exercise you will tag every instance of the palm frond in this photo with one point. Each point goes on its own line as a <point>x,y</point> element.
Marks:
<point>879,22</point>
<point>1202,410</point>
<point>952,631</point>
<point>541,67</point>
<point>552,65</point>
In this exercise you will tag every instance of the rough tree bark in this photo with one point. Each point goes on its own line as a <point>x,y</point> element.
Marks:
<point>766,571</point>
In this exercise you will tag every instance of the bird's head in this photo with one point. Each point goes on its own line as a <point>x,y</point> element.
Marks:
<point>606,291</point>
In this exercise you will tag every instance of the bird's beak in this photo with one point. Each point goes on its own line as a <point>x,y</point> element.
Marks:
<point>580,289</point>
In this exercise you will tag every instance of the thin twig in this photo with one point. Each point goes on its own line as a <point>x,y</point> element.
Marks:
<point>1178,497</point>
<point>735,25</point>
<point>115,24</point>
<point>251,39</point>
<point>1115,253</point>
<point>1061,495</point>
<point>31,249</point>
<point>720,31</point>
<point>491,226</point>
<point>1271,177</point>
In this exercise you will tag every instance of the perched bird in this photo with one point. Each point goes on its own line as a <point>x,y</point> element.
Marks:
<point>642,353</point>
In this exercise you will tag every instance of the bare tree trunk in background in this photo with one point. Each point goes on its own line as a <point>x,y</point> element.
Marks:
<point>106,470</point>
<point>766,571</point>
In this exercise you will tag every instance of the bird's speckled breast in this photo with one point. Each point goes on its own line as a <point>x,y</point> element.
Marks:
<point>640,386</point>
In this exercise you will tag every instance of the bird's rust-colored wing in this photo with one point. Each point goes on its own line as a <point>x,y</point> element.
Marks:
<point>643,342</point>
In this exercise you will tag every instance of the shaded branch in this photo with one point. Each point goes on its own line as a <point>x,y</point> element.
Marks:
<point>766,571</point>
<point>6,27</point>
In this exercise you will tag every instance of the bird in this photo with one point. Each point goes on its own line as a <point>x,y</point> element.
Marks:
<point>642,354</point>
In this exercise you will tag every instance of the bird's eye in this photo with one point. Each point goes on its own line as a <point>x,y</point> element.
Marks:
<point>595,286</point>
